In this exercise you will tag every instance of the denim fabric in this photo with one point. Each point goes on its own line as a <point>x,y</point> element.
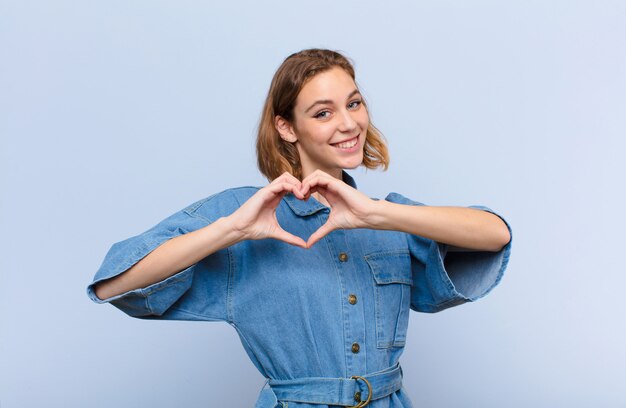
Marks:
<point>292,307</point>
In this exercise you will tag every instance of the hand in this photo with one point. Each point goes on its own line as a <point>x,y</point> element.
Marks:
<point>256,218</point>
<point>349,208</point>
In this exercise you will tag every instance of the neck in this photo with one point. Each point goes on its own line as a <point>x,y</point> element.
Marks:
<point>335,173</point>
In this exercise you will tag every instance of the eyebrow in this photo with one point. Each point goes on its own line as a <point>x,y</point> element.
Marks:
<point>324,101</point>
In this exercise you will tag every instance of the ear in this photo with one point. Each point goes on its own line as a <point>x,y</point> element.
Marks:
<point>285,129</point>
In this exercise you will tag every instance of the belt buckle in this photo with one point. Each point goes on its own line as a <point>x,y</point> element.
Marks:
<point>361,404</point>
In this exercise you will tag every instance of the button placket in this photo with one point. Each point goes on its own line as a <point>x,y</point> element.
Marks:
<point>343,257</point>
<point>352,310</point>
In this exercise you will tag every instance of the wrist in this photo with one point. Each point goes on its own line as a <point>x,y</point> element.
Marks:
<point>378,216</point>
<point>229,230</point>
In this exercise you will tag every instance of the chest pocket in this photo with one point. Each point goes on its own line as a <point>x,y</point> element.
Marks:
<point>391,271</point>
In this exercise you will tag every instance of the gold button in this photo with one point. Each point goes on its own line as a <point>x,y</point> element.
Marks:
<point>357,396</point>
<point>352,299</point>
<point>343,257</point>
<point>355,348</point>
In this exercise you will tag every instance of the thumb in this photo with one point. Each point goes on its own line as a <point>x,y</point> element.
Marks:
<point>284,236</point>
<point>319,234</point>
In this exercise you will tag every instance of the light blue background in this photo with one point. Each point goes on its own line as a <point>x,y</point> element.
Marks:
<point>115,114</point>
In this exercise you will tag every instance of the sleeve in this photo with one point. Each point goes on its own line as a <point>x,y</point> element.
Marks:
<point>442,278</point>
<point>198,292</point>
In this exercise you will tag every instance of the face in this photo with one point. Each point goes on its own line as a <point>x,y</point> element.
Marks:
<point>330,124</point>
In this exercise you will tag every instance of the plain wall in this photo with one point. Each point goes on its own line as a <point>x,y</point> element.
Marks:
<point>115,114</point>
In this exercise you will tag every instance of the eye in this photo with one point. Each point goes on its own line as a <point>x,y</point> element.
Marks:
<point>321,115</point>
<point>354,104</point>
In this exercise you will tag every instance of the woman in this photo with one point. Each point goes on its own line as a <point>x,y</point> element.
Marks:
<point>316,277</point>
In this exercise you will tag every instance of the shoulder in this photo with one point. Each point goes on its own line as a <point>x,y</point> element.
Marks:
<point>220,204</point>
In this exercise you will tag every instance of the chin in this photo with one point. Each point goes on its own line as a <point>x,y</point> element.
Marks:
<point>353,165</point>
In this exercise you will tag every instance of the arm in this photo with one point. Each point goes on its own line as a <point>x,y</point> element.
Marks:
<point>255,219</point>
<point>170,257</point>
<point>462,228</point>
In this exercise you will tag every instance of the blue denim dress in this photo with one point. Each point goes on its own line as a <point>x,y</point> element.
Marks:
<point>326,325</point>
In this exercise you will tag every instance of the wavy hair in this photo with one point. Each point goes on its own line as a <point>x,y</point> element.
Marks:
<point>276,156</point>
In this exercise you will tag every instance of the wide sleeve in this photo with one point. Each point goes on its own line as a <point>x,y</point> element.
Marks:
<point>198,292</point>
<point>442,278</point>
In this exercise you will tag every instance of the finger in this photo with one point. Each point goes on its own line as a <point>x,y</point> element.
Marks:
<point>318,189</point>
<point>289,238</point>
<point>317,178</point>
<point>288,177</point>
<point>283,187</point>
<point>319,234</point>
<point>287,174</point>
<point>309,185</point>
<point>285,178</point>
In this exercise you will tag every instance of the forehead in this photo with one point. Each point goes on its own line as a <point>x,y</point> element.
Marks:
<point>334,84</point>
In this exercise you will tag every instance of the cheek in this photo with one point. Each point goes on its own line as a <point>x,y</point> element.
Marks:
<point>364,118</point>
<point>306,132</point>
<point>316,135</point>
<point>322,132</point>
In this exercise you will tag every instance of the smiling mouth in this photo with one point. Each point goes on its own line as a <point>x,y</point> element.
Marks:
<point>348,144</point>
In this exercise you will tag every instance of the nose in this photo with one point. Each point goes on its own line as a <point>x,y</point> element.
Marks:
<point>347,124</point>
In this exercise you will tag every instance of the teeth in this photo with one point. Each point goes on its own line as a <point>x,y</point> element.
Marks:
<point>348,144</point>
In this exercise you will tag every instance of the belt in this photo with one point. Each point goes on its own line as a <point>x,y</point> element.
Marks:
<point>339,391</point>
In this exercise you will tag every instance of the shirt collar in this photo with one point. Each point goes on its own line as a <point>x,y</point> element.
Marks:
<point>311,206</point>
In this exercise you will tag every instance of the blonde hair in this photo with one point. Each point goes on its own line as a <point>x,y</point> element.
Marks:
<point>276,156</point>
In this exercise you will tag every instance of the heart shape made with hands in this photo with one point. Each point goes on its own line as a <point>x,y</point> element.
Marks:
<point>347,205</point>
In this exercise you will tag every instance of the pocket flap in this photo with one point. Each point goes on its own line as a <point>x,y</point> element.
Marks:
<point>391,267</point>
